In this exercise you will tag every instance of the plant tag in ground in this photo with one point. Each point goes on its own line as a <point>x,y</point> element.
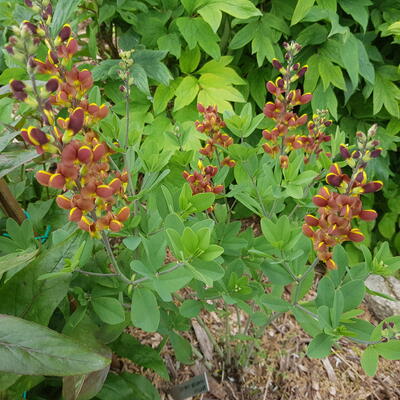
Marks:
<point>196,385</point>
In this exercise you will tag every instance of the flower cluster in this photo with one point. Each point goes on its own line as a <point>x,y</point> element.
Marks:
<point>201,182</point>
<point>341,204</point>
<point>92,192</point>
<point>211,125</point>
<point>282,111</point>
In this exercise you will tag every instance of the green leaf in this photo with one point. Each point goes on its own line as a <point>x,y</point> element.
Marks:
<point>206,271</point>
<point>12,73</point>
<point>330,74</point>
<point>15,260</point>
<point>262,43</point>
<point>27,348</point>
<point>109,310</point>
<point>350,58</point>
<point>211,253</point>
<point>196,30</point>
<point>150,60</point>
<point>145,313</point>
<point>387,225</point>
<point>320,346</point>
<point>132,242</point>
<point>186,92</point>
<point>243,36</point>
<point>190,308</point>
<point>358,10</point>
<point>386,93</point>
<point>275,303</point>
<point>182,348</point>
<point>189,60</point>
<point>62,14</point>
<point>11,160</point>
<point>369,360</point>
<point>353,294</point>
<point>389,350</point>
<point>26,297</point>
<point>140,78</point>
<point>212,14</point>
<point>301,10</point>
<point>129,347</point>
<point>163,95</point>
<point>106,12</point>
<point>170,43</point>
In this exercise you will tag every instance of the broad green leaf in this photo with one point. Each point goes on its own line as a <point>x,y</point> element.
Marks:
<point>389,350</point>
<point>211,253</point>
<point>385,93</point>
<point>206,271</point>
<point>358,10</point>
<point>186,92</point>
<point>150,60</point>
<point>132,242</point>
<point>140,78</point>
<point>196,30</point>
<point>387,225</point>
<point>109,310</point>
<point>369,360</point>
<point>26,297</point>
<point>163,95</point>
<point>350,58</point>
<point>14,260</point>
<point>330,74</point>
<point>27,348</point>
<point>85,387</point>
<point>262,43</point>
<point>11,160</point>
<point>170,43</point>
<point>189,60</point>
<point>190,308</point>
<point>212,14</point>
<point>243,36</point>
<point>145,313</point>
<point>182,348</point>
<point>275,303</point>
<point>62,14</point>
<point>320,346</point>
<point>129,347</point>
<point>353,294</point>
<point>301,10</point>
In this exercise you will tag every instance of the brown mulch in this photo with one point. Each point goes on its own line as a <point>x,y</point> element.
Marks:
<point>280,369</point>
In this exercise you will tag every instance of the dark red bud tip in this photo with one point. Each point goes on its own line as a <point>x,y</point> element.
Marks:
<point>302,71</point>
<point>9,49</point>
<point>65,32</point>
<point>200,108</point>
<point>376,153</point>
<point>276,64</point>
<point>115,225</point>
<point>307,230</point>
<point>122,88</point>
<point>355,235</point>
<point>43,177</point>
<point>52,85</point>
<point>344,152</point>
<point>373,186</point>
<point>28,3</point>
<point>368,215</point>
<point>17,85</point>
<point>76,120</point>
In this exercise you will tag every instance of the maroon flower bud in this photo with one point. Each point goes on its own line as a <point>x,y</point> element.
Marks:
<point>122,88</point>
<point>9,49</point>
<point>31,27</point>
<point>28,3</point>
<point>302,71</point>
<point>276,64</point>
<point>65,32</point>
<point>368,215</point>
<point>376,153</point>
<point>76,120</point>
<point>200,108</point>
<point>17,85</point>
<point>373,186</point>
<point>52,85</point>
<point>296,66</point>
<point>52,56</point>
<point>334,180</point>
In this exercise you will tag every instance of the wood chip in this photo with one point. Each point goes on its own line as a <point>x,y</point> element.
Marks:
<point>205,344</point>
<point>329,369</point>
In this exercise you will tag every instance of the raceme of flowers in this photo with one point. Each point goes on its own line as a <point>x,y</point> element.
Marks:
<point>211,125</point>
<point>282,111</point>
<point>92,193</point>
<point>339,204</point>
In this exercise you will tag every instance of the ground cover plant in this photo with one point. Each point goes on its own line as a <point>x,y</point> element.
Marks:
<point>136,135</point>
